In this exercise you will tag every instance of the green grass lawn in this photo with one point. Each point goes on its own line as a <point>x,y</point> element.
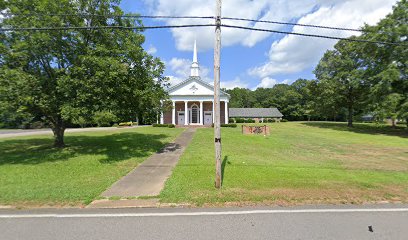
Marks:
<point>298,163</point>
<point>32,172</point>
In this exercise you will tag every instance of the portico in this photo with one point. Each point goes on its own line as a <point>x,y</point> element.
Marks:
<point>193,101</point>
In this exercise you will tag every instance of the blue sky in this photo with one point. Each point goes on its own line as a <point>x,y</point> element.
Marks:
<point>252,59</point>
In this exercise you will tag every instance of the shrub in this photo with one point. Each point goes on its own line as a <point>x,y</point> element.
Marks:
<point>164,125</point>
<point>231,120</point>
<point>249,120</point>
<point>231,125</point>
<point>284,120</point>
<point>125,124</point>
<point>239,120</point>
<point>104,118</point>
<point>81,121</point>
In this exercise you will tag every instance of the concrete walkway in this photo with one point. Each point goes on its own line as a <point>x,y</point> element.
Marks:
<point>149,177</point>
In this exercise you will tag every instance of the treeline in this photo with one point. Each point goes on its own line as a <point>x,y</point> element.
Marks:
<point>355,78</point>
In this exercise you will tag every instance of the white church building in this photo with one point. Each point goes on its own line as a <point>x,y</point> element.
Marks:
<point>193,100</point>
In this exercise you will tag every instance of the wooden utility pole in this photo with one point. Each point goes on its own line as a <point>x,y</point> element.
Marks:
<point>217,122</point>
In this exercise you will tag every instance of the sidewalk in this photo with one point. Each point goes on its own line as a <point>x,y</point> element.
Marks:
<point>149,177</point>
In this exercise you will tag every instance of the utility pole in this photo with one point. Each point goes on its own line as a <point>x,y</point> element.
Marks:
<point>217,124</point>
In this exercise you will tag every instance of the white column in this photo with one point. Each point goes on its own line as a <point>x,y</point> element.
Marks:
<point>201,113</point>
<point>185,112</point>
<point>173,113</point>
<point>213,114</point>
<point>161,114</point>
<point>226,112</point>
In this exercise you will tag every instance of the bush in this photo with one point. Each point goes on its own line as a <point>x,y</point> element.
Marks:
<point>37,125</point>
<point>81,121</point>
<point>164,125</point>
<point>284,120</point>
<point>249,120</point>
<point>231,125</point>
<point>104,118</point>
<point>239,120</point>
<point>231,120</point>
<point>125,124</point>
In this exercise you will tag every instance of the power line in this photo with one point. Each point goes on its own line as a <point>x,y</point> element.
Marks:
<point>186,17</point>
<point>103,27</point>
<point>294,24</point>
<point>106,15</point>
<point>311,35</point>
<point>189,26</point>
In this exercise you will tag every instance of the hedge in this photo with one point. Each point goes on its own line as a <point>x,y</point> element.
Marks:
<point>164,125</point>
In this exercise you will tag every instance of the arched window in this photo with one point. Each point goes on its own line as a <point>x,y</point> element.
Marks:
<point>194,114</point>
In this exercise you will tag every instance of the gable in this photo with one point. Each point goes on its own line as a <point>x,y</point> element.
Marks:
<point>193,86</point>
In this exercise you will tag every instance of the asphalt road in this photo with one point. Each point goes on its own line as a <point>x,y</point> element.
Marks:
<point>387,222</point>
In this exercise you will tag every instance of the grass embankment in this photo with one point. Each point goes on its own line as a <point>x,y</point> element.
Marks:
<point>298,163</point>
<point>32,172</point>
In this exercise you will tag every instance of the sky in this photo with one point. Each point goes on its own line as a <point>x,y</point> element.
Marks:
<point>252,59</point>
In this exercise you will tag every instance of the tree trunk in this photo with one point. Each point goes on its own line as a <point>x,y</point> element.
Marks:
<point>393,123</point>
<point>58,129</point>
<point>350,116</point>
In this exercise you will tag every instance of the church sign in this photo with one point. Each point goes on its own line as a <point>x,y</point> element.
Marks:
<point>262,130</point>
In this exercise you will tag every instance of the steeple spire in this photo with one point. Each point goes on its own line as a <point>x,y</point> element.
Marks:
<point>195,52</point>
<point>194,66</point>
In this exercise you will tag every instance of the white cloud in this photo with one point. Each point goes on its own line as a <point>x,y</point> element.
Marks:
<point>266,83</point>
<point>180,67</point>
<point>278,10</point>
<point>173,80</point>
<point>233,84</point>
<point>293,53</point>
<point>151,50</point>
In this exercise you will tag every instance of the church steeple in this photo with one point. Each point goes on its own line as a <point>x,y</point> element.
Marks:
<point>194,66</point>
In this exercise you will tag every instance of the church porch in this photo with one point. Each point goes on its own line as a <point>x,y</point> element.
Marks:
<point>193,113</point>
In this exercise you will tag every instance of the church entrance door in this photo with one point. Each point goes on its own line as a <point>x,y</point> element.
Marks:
<point>194,114</point>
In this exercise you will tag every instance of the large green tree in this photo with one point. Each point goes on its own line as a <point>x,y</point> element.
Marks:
<point>387,64</point>
<point>71,74</point>
<point>342,72</point>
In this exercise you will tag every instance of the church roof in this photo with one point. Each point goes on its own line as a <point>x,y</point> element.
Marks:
<point>197,80</point>
<point>255,112</point>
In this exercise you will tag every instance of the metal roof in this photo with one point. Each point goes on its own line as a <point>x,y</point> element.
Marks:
<point>255,112</point>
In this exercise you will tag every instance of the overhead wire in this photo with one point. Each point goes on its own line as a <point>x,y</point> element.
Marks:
<point>192,25</point>
<point>295,24</point>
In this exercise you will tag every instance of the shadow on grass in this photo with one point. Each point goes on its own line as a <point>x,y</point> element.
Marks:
<point>223,164</point>
<point>115,147</point>
<point>364,128</point>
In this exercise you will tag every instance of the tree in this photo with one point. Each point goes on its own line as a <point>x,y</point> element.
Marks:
<point>241,98</point>
<point>69,74</point>
<point>387,65</point>
<point>341,70</point>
